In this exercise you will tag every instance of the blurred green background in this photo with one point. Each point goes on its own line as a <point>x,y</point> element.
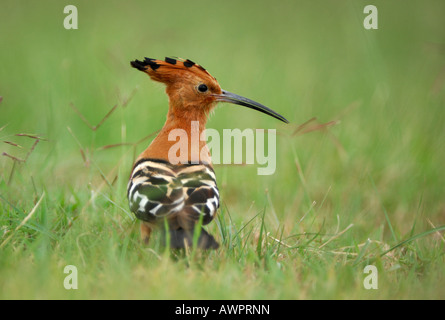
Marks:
<point>380,167</point>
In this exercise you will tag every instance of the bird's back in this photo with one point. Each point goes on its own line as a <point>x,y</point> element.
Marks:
<point>182,194</point>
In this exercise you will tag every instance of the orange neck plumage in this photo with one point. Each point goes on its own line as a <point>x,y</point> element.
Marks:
<point>191,121</point>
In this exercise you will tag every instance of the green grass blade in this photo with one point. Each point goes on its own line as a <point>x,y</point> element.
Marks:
<point>417,236</point>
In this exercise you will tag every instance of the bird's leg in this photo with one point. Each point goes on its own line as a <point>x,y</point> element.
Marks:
<point>146,229</point>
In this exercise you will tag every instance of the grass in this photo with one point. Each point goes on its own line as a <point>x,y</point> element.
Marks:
<point>361,184</point>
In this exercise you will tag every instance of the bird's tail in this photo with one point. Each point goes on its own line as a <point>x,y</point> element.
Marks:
<point>180,238</point>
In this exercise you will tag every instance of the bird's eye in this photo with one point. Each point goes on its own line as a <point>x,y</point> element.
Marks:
<point>202,88</point>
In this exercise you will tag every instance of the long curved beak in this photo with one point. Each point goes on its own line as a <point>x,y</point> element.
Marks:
<point>226,96</point>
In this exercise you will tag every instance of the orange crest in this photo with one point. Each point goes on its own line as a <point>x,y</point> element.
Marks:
<point>172,70</point>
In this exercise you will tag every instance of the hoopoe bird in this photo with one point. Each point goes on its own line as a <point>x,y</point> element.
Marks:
<point>178,196</point>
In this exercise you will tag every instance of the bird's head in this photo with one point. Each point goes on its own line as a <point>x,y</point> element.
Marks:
<point>192,89</point>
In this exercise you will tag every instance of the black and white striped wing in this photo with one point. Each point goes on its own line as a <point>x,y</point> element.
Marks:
<point>201,194</point>
<point>158,189</point>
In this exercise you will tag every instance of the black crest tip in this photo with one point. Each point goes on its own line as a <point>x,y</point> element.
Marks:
<point>151,62</point>
<point>170,60</point>
<point>189,63</point>
<point>138,65</point>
